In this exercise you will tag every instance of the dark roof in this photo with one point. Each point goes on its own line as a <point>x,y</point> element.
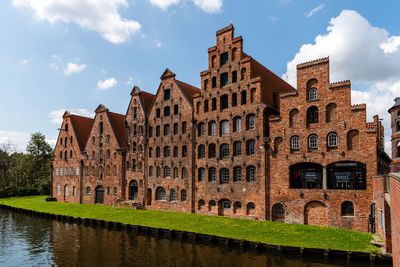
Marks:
<point>117,122</point>
<point>189,90</point>
<point>147,99</point>
<point>396,103</point>
<point>82,127</point>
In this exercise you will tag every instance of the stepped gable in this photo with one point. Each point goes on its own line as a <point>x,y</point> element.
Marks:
<point>82,126</point>
<point>117,122</point>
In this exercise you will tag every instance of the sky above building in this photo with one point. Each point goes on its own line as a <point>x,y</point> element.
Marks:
<point>59,55</point>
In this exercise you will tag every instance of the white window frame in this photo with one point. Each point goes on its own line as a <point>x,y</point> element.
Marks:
<point>213,128</point>
<point>224,127</point>
<point>313,94</point>
<point>332,140</point>
<point>58,189</point>
<point>313,141</point>
<point>251,123</point>
<point>295,142</point>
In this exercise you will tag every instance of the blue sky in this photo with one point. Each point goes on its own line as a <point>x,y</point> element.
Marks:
<point>77,54</point>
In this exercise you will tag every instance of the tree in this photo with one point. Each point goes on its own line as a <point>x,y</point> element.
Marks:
<point>38,146</point>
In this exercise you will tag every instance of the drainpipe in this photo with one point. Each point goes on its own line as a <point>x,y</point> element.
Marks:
<point>193,210</point>
<point>81,182</point>
<point>267,178</point>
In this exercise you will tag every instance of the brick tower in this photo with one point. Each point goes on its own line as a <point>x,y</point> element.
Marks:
<point>395,124</point>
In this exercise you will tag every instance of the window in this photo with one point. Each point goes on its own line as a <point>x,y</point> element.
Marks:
<point>243,98</point>
<point>133,164</point>
<point>108,139</point>
<point>202,203</point>
<point>250,147</point>
<point>58,189</point>
<point>313,141</point>
<point>93,171</point>
<point>134,147</point>
<point>206,105</point>
<point>278,213</point>
<point>226,204</point>
<point>211,151</point>
<point>214,104</point>
<point>101,128</point>
<point>252,95</point>
<point>212,128</point>
<point>167,172</point>
<point>237,206</point>
<point>224,58</point>
<point>214,82</point>
<point>61,171</point>
<point>115,170</point>
<point>158,172</point>
<point>213,58</point>
<point>175,151</point>
<point>201,153</point>
<point>224,127</point>
<point>115,190</point>
<point>108,190</point>
<point>167,151</point>
<point>66,171</point>
<point>56,172</point>
<point>212,174</point>
<point>184,174</point>
<point>224,102</point>
<point>158,113</point>
<point>250,122</point>
<point>237,174</point>
<point>295,142</point>
<point>201,129</point>
<point>151,170</point>
<point>312,115</point>
<point>167,94</point>
<point>161,194</point>
<point>158,152</point>
<point>250,208</point>
<point>100,173</point>
<point>293,117</point>
<point>66,155</point>
<point>251,174</point>
<point>184,127</point>
<point>175,128</point>
<point>134,130</point>
<point>331,112</point>
<point>184,151</point>
<point>332,140</point>
<point>135,112</point>
<point>237,148</point>
<point>234,99</point>
<point>71,171</point>
<point>347,209</point>
<point>108,154</point>
<point>237,124</point>
<point>70,153</point>
<point>176,175</point>
<point>140,148</point>
<point>88,191</point>
<point>224,79</point>
<point>172,195</point>
<point>198,107</point>
<point>101,156</point>
<point>224,176</point>
<point>61,141</point>
<point>167,111</point>
<point>201,174</point>
<point>234,53</point>
<point>397,126</point>
<point>150,152</point>
<point>108,170</point>
<point>205,84</point>
<point>176,109</point>
<point>158,130</point>
<point>312,94</point>
<point>305,175</point>
<point>166,129</point>
<point>150,131</point>
<point>242,73</point>
<point>234,76</point>
<point>93,140</point>
<point>61,153</point>
<point>224,151</point>
<point>77,171</point>
<point>183,195</point>
<point>74,191</point>
<point>346,175</point>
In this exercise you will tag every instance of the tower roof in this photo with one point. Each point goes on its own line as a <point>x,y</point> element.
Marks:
<point>396,104</point>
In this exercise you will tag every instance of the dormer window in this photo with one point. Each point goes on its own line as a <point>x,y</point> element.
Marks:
<point>224,58</point>
<point>167,94</point>
<point>313,94</point>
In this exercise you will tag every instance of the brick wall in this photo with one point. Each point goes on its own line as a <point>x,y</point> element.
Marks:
<point>395,216</point>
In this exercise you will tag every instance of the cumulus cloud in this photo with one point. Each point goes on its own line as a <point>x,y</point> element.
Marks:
<point>209,6</point>
<point>14,141</point>
<point>107,83</point>
<point>365,54</point>
<point>158,44</point>
<point>73,68</point>
<point>129,81</point>
<point>164,4</point>
<point>56,115</point>
<point>314,10</point>
<point>100,15</point>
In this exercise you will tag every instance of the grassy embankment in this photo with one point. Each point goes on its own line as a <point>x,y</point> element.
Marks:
<point>260,231</point>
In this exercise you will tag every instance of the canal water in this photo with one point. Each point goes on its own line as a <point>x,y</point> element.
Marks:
<point>32,241</point>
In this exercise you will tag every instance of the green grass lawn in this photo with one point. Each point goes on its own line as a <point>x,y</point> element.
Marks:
<point>260,231</point>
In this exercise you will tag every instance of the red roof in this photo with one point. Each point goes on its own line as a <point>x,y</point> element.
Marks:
<point>147,99</point>
<point>82,127</point>
<point>117,122</point>
<point>189,90</point>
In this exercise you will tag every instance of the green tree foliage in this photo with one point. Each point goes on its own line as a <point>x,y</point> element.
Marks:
<point>26,174</point>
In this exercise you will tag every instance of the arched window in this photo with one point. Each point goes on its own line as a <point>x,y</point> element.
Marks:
<point>201,129</point>
<point>293,117</point>
<point>211,204</point>
<point>150,131</point>
<point>313,141</point>
<point>312,115</point>
<point>176,109</point>
<point>150,152</point>
<point>184,151</point>
<point>243,97</point>
<point>224,176</point>
<point>167,172</point>
<point>100,173</point>
<point>237,148</point>
<point>201,174</point>
<point>166,129</point>
<point>158,152</point>
<point>223,58</point>
<point>108,153</point>
<point>158,130</point>
<point>172,195</point>
<point>161,194</point>
<point>184,174</point>
<point>206,105</point>
<point>151,171</point>
<point>108,170</point>
<point>250,147</point>
<point>226,204</point>
<point>211,151</point>
<point>134,147</point>
<point>224,79</point>
<point>237,174</point>
<point>176,175</point>
<point>250,208</point>
<point>332,140</point>
<point>398,149</point>
<point>183,195</point>
<point>352,140</point>
<point>88,191</point>
<point>212,128</point>
<point>312,94</point>
<point>331,112</point>
<point>201,152</point>
<point>158,172</point>
<point>251,174</point>
<point>66,190</point>
<point>278,213</point>
<point>202,203</point>
<point>224,127</point>
<point>101,129</point>
<point>295,143</point>
<point>212,174</point>
<point>198,107</point>
<point>237,124</point>
<point>347,209</point>
<point>397,126</point>
<point>184,127</point>
<point>175,151</point>
<point>135,112</point>
<point>176,128</point>
<point>223,102</point>
<point>242,73</point>
<point>167,151</point>
<point>205,84</point>
<point>224,151</point>
<point>250,125</point>
<point>237,206</point>
<point>66,127</point>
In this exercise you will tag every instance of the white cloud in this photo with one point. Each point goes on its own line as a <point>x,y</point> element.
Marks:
<point>73,68</point>
<point>129,81</point>
<point>97,15</point>
<point>17,141</point>
<point>106,84</point>
<point>209,6</point>
<point>158,44</point>
<point>355,52</point>
<point>314,10</point>
<point>56,115</point>
<point>24,62</point>
<point>164,4</point>
<point>391,45</point>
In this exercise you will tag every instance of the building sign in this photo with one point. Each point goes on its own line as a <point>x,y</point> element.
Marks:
<point>347,175</point>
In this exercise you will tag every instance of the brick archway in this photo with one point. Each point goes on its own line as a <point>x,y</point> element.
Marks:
<point>316,213</point>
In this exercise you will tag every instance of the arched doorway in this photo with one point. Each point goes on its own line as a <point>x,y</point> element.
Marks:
<point>99,197</point>
<point>133,190</point>
<point>315,213</point>
<point>224,206</point>
<point>148,196</point>
<point>278,213</point>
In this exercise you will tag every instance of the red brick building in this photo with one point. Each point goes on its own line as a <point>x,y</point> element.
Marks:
<point>247,144</point>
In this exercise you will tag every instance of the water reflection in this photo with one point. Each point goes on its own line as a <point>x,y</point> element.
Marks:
<point>30,241</point>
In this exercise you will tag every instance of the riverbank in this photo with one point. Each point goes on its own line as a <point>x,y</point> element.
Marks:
<point>293,235</point>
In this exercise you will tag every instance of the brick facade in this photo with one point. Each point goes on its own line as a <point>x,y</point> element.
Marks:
<point>225,149</point>
<point>395,124</point>
<point>395,216</point>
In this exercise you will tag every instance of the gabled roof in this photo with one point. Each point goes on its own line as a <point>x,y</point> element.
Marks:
<point>82,127</point>
<point>117,123</point>
<point>147,100</point>
<point>189,90</point>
